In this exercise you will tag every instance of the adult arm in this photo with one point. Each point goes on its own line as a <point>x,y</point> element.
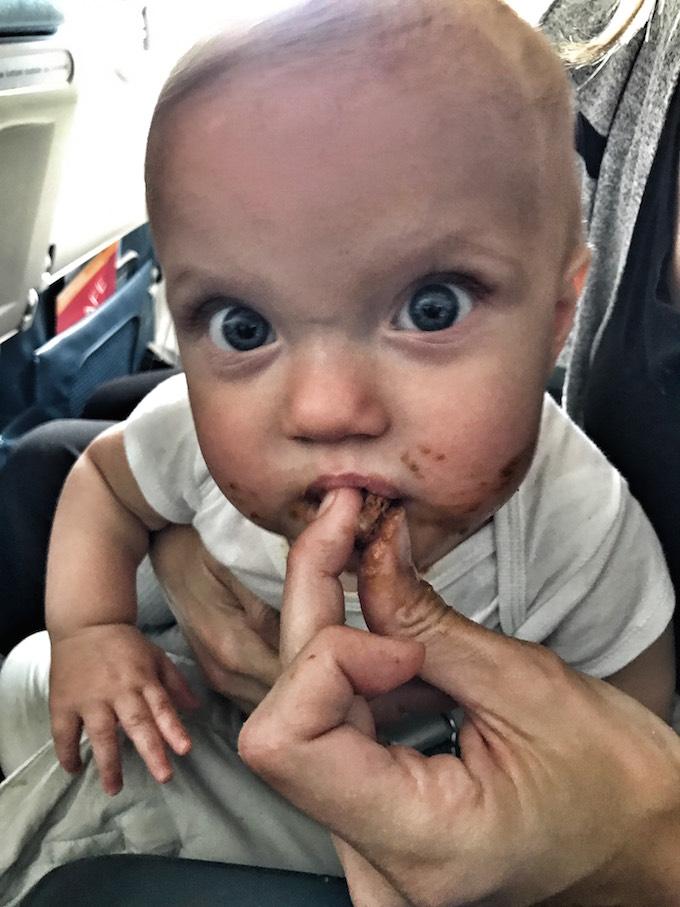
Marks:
<point>567,790</point>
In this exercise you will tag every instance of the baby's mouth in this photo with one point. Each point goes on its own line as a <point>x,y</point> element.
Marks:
<point>371,516</point>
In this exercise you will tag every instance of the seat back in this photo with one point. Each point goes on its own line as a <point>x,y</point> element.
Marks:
<point>107,344</point>
<point>37,99</point>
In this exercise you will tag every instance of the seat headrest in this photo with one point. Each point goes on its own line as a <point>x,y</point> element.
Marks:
<point>29,18</point>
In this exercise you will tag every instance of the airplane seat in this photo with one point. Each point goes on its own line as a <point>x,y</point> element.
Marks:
<point>37,101</point>
<point>107,344</point>
<point>66,196</point>
<point>153,881</point>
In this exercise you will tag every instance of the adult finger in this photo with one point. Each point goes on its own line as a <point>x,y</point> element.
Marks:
<point>475,666</point>
<point>138,723</point>
<point>253,657</point>
<point>229,594</point>
<point>308,720</point>
<point>100,725</point>
<point>239,688</point>
<point>502,825</point>
<point>366,884</point>
<point>261,617</point>
<point>66,728</point>
<point>313,596</point>
<point>237,649</point>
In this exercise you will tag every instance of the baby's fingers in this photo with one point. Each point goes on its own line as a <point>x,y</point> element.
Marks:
<point>138,722</point>
<point>100,724</point>
<point>166,719</point>
<point>66,728</point>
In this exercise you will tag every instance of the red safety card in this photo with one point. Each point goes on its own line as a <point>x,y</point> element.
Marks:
<point>91,286</point>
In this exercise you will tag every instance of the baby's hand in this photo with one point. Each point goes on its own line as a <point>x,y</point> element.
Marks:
<point>110,674</point>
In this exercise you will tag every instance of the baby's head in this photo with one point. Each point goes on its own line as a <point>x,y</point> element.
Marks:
<point>367,215</point>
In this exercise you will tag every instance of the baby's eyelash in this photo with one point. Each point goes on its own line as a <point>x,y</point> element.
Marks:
<point>193,317</point>
<point>474,285</point>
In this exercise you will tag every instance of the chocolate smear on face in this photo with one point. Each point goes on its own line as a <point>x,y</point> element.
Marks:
<point>370,519</point>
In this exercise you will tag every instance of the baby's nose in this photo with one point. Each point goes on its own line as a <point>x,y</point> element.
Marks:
<point>332,397</point>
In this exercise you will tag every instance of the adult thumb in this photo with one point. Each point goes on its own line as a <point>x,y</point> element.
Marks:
<point>470,663</point>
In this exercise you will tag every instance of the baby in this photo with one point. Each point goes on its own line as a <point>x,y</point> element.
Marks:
<point>367,216</point>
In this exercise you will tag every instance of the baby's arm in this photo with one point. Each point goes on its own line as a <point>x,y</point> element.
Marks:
<point>650,678</point>
<point>104,671</point>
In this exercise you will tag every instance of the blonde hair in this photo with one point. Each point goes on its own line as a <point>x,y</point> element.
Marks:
<point>626,18</point>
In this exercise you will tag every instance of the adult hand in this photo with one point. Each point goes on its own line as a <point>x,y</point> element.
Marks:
<point>567,790</point>
<point>233,635</point>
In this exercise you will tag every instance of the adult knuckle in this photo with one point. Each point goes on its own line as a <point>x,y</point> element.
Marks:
<point>262,746</point>
<point>423,615</point>
<point>549,667</point>
<point>540,677</point>
<point>59,703</point>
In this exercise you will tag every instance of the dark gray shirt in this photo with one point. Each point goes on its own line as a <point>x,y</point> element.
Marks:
<point>626,100</point>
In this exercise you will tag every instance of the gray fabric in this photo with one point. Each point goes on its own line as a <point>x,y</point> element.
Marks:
<point>625,99</point>
<point>213,809</point>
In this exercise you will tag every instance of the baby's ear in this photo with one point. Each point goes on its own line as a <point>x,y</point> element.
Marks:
<point>573,281</point>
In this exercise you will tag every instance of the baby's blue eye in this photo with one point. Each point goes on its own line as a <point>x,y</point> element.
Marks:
<point>236,327</point>
<point>435,307</point>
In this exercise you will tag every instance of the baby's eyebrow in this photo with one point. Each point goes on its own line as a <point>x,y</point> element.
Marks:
<point>418,253</point>
<point>461,243</point>
<point>189,281</point>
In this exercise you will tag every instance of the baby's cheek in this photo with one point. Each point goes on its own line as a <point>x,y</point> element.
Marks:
<point>499,483</point>
<point>467,492</point>
<point>242,490</point>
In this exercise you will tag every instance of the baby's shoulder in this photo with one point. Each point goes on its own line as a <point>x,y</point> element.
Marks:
<point>168,400</point>
<point>582,537</point>
<point>163,451</point>
<point>572,495</point>
<point>162,421</point>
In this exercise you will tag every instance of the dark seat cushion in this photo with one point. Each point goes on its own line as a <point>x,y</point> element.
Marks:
<point>143,881</point>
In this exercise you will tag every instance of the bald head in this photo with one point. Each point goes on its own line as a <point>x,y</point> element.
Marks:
<point>441,48</point>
